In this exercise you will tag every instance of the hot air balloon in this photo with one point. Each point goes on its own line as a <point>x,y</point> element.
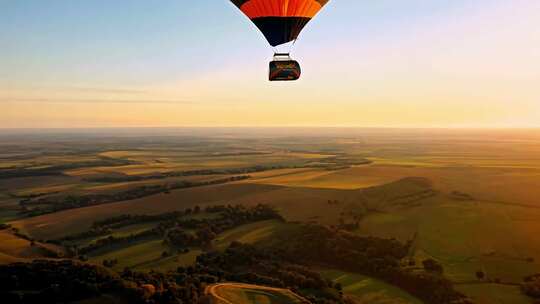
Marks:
<point>281,22</point>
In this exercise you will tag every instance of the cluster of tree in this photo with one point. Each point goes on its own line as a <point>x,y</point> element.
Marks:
<point>110,263</point>
<point>185,285</point>
<point>371,256</point>
<point>172,227</point>
<point>129,219</point>
<point>433,266</point>
<point>59,169</point>
<point>347,223</point>
<point>58,203</point>
<point>47,281</point>
<point>249,264</point>
<point>207,229</point>
<point>531,286</point>
<point>322,243</point>
<point>180,238</point>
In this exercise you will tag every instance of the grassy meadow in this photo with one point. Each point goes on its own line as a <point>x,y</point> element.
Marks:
<point>366,290</point>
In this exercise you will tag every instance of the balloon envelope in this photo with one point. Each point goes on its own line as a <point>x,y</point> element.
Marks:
<point>280,21</point>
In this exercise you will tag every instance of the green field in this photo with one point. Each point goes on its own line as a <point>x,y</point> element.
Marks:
<point>494,293</point>
<point>249,234</point>
<point>461,235</point>
<point>171,262</point>
<point>148,256</point>
<point>121,232</point>
<point>365,290</point>
<point>133,256</point>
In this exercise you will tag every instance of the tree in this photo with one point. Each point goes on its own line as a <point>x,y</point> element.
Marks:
<point>432,266</point>
<point>532,287</point>
<point>480,275</point>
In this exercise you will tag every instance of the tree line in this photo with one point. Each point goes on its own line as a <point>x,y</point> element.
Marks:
<point>331,163</point>
<point>39,206</point>
<point>66,281</point>
<point>177,229</point>
<point>59,169</point>
<point>531,286</point>
<point>376,257</point>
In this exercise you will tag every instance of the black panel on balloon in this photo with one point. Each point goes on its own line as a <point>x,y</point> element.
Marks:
<point>280,30</point>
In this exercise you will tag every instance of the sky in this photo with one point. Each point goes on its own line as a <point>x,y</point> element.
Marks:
<point>385,63</point>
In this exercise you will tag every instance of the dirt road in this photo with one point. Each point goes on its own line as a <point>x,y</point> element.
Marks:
<point>213,292</point>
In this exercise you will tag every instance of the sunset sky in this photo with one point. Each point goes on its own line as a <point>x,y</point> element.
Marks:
<point>386,63</point>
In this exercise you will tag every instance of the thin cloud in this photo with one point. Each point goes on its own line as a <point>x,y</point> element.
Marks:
<point>108,90</point>
<point>95,100</point>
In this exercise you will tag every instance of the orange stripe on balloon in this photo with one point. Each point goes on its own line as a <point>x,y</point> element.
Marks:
<point>293,8</point>
<point>286,6</point>
<point>281,8</point>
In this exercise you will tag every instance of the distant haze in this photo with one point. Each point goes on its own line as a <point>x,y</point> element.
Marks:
<point>355,134</point>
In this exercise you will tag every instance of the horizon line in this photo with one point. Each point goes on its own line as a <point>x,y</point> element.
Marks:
<point>279,127</point>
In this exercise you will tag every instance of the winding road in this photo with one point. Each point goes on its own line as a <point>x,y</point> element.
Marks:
<point>213,292</point>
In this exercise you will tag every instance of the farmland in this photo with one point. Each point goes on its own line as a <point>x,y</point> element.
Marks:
<point>368,290</point>
<point>464,198</point>
<point>148,254</point>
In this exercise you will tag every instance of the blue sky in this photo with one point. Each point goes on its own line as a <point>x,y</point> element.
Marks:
<point>179,62</point>
<point>138,41</point>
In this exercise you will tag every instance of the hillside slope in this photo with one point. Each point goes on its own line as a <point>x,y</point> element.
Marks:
<point>294,203</point>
